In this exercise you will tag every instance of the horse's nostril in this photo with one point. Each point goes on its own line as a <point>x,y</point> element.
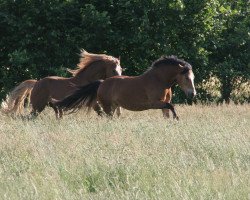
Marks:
<point>191,94</point>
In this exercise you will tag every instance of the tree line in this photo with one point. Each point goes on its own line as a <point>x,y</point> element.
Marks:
<point>43,37</point>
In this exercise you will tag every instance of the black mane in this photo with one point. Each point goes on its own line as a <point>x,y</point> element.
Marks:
<point>171,60</point>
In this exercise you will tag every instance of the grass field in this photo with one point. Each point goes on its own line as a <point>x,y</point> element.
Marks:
<point>206,155</point>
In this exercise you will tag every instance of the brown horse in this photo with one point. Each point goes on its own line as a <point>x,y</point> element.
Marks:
<point>91,67</point>
<point>147,91</point>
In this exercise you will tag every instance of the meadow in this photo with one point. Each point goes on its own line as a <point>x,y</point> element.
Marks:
<point>205,155</point>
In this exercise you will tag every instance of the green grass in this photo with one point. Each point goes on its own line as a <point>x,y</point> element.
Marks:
<point>206,155</point>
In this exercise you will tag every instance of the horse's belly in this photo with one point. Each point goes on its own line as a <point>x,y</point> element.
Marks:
<point>134,106</point>
<point>130,100</point>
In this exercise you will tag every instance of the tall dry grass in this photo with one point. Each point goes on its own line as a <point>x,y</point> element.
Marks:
<point>206,155</point>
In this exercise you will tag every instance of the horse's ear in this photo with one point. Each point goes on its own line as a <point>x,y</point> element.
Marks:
<point>184,69</point>
<point>119,58</point>
<point>70,71</point>
<point>181,66</point>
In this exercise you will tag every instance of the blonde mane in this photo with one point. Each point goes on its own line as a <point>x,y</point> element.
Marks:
<point>87,58</point>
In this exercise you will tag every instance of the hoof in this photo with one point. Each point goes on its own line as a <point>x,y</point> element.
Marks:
<point>176,117</point>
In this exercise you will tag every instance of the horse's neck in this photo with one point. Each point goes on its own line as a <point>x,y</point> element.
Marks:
<point>90,74</point>
<point>159,77</point>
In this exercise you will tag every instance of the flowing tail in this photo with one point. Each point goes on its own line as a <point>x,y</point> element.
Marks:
<point>84,96</point>
<point>15,100</point>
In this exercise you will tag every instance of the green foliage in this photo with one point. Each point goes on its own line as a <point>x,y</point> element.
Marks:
<point>42,38</point>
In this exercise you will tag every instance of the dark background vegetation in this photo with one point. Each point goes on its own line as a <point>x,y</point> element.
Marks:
<point>39,38</point>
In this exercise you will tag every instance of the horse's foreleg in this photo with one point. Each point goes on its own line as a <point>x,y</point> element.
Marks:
<point>164,105</point>
<point>118,111</point>
<point>165,113</point>
<point>60,113</point>
<point>171,107</point>
<point>56,112</point>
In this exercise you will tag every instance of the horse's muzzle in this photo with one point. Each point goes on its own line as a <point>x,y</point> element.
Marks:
<point>191,94</point>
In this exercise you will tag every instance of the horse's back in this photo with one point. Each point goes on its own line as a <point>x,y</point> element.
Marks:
<point>114,85</point>
<point>57,87</point>
<point>30,81</point>
<point>54,78</point>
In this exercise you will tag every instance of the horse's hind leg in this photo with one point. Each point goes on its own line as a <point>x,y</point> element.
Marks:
<point>39,100</point>
<point>109,110</point>
<point>35,112</point>
<point>37,109</point>
<point>98,109</point>
<point>57,111</point>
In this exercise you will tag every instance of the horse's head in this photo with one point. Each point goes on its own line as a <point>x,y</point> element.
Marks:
<point>172,69</point>
<point>185,79</point>
<point>96,66</point>
<point>113,67</point>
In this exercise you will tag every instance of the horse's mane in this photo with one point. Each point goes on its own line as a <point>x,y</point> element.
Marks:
<point>87,58</point>
<point>171,60</point>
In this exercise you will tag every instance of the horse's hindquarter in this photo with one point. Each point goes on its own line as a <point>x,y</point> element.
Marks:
<point>53,87</point>
<point>60,87</point>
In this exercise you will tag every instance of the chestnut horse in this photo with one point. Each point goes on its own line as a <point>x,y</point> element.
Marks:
<point>147,91</point>
<point>91,67</point>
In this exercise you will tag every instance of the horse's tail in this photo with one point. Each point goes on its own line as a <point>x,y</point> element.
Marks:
<point>84,96</point>
<point>16,99</point>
